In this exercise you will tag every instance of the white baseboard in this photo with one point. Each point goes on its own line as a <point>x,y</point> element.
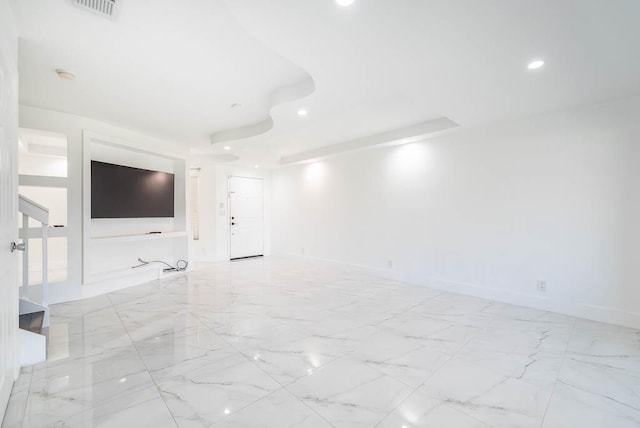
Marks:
<point>116,284</point>
<point>577,309</point>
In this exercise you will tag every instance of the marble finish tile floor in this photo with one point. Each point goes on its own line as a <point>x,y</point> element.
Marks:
<point>282,342</point>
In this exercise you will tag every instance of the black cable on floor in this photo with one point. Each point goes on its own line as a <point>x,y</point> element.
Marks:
<point>181,265</point>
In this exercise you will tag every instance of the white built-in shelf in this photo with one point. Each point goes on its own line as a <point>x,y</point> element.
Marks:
<point>116,244</point>
<point>137,237</point>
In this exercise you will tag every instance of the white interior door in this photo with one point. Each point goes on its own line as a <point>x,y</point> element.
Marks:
<point>246,217</point>
<point>8,209</point>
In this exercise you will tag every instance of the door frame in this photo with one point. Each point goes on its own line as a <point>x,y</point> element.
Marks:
<point>9,342</point>
<point>229,177</point>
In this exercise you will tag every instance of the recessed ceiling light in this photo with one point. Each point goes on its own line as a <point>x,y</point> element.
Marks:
<point>302,112</point>
<point>227,148</point>
<point>63,74</point>
<point>256,166</point>
<point>535,64</point>
<point>344,3</point>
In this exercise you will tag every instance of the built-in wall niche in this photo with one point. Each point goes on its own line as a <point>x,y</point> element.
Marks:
<point>114,227</point>
<point>42,169</point>
<point>112,246</point>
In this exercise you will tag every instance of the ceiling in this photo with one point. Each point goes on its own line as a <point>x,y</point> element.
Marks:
<point>173,69</point>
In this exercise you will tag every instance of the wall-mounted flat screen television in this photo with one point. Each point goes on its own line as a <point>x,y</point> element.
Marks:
<point>119,191</point>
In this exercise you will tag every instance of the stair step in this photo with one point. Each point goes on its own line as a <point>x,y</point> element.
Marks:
<point>32,322</point>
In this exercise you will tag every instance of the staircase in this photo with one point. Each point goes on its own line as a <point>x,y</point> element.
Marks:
<point>34,311</point>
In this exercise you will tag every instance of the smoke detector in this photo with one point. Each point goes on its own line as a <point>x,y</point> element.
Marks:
<point>104,8</point>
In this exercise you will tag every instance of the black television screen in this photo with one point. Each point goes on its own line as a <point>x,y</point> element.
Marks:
<point>124,192</point>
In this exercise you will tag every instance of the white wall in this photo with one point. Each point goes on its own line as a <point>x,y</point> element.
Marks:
<point>214,216</point>
<point>486,211</point>
<point>72,126</point>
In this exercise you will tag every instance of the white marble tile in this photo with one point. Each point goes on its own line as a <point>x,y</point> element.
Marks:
<point>66,388</point>
<point>573,406</point>
<point>455,307</point>
<point>326,323</point>
<point>348,393</point>
<point>415,325</point>
<point>277,410</point>
<point>603,383</point>
<point>176,352</point>
<point>79,308</point>
<point>16,408</point>
<point>151,324</point>
<point>605,345</point>
<point>136,292</point>
<point>211,392</point>
<point>240,323</point>
<point>89,322</point>
<point>513,340</point>
<point>289,361</point>
<point>78,339</point>
<point>375,344</point>
<point>502,390</point>
<point>422,411</point>
<point>414,367</point>
<point>143,408</point>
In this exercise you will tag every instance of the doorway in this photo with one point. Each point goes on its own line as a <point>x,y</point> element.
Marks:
<point>42,169</point>
<point>246,217</point>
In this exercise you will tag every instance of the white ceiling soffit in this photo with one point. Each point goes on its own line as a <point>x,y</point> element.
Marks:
<point>279,96</point>
<point>224,157</point>
<point>381,64</point>
<point>405,135</point>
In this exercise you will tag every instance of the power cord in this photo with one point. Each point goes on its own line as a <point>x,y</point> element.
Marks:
<point>181,265</point>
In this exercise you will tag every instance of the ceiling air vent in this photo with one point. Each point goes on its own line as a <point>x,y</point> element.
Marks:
<point>105,8</point>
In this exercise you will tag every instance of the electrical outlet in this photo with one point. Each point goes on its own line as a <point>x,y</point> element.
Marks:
<point>302,250</point>
<point>390,264</point>
<point>541,286</point>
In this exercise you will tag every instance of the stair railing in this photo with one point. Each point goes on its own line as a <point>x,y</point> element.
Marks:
<point>31,209</point>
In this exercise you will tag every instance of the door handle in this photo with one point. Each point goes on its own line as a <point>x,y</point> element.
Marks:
<point>19,247</point>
